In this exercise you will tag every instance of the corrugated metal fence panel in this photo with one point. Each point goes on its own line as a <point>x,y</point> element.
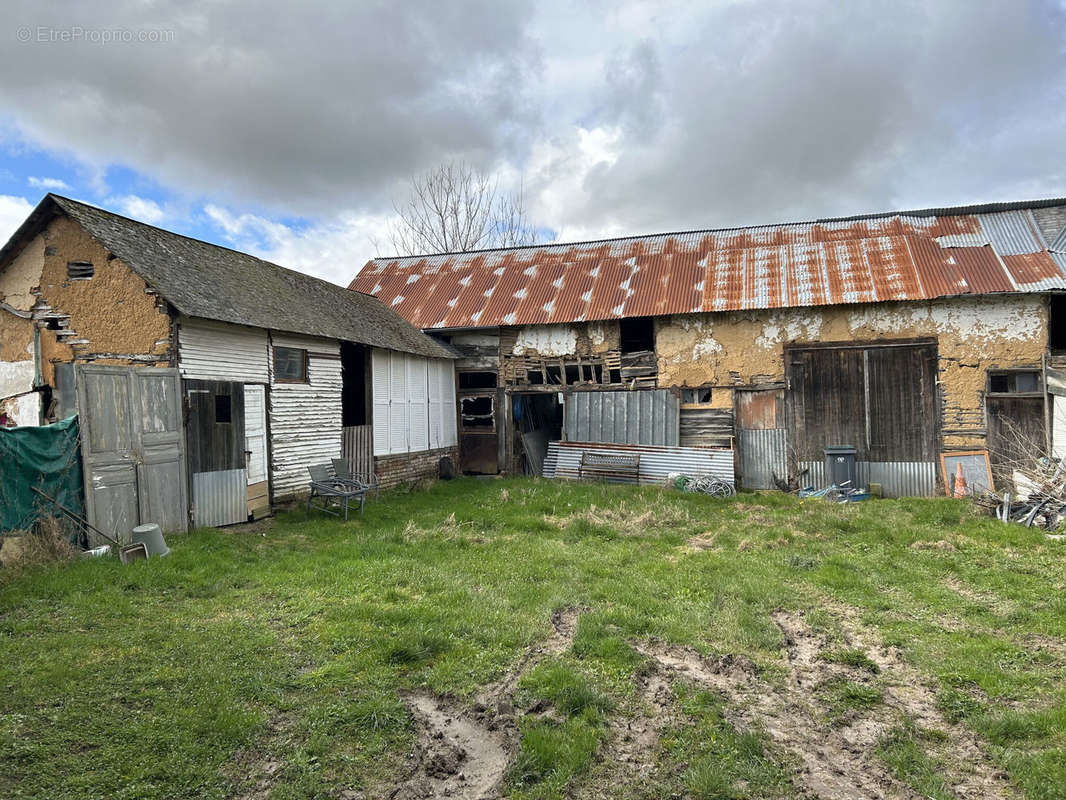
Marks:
<point>305,420</point>
<point>897,478</point>
<point>220,498</point>
<point>763,454</point>
<point>215,351</point>
<point>656,462</point>
<point>626,417</point>
<point>358,446</point>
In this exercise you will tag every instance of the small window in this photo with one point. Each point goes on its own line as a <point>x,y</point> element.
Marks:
<point>223,409</point>
<point>1021,382</point>
<point>477,380</point>
<point>79,270</point>
<point>478,412</point>
<point>637,334</point>
<point>290,365</point>
<point>695,395</point>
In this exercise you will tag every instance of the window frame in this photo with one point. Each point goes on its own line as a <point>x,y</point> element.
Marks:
<point>305,376</point>
<point>1010,374</point>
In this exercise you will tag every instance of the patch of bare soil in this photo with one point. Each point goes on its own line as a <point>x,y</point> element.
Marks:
<point>837,752</point>
<point>254,769</point>
<point>459,755</point>
<point>463,752</point>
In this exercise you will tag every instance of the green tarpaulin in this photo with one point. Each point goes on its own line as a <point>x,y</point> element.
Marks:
<point>47,458</point>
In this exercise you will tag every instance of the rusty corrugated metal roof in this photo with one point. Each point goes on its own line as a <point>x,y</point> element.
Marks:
<point>917,255</point>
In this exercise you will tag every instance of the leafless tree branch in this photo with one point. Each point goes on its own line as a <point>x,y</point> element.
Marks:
<point>456,208</point>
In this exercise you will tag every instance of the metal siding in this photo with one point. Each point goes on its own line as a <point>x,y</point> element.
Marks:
<point>646,416</point>
<point>1012,232</point>
<point>762,452</point>
<point>305,418</point>
<point>897,478</point>
<point>358,449</point>
<point>213,351</point>
<point>220,498</point>
<point>656,462</point>
<point>873,259</point>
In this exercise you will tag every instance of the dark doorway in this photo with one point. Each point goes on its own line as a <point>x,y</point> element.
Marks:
<point>353,385</point>
<point>538,419</point>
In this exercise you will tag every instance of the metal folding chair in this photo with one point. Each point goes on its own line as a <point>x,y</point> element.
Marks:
<point>343,470</point>
<point>333,490</point>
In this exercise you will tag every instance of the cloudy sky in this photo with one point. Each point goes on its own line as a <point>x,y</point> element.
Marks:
<point>288,129</point>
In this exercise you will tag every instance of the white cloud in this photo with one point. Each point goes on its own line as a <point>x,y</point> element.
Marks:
<point>334,249</point>
<point>48,184</point>
<point>13,212</point>
<point>138,208</point>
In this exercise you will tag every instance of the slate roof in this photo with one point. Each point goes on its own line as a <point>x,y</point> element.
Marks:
<point>212,282</point>
<point>1013,247</point>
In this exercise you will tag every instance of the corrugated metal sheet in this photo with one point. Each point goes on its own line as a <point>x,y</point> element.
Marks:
<point>763,454</point>
<point>305,418</point>
<point>876,259</point>
<point>213,351</point>
<point>358,446</point>
<point>627,417</point>
<point>220,498</point>
<point>564,460</point>
<point>897,478</point>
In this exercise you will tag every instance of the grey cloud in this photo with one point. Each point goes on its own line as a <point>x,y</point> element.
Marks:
<point>803,108</point>
<point>266,103</point>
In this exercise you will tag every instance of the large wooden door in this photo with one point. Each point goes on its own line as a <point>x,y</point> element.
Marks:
<point>879,398</point>
<point>132,448</point>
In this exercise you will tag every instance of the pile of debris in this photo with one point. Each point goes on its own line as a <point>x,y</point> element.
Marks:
<point>1038,499</point>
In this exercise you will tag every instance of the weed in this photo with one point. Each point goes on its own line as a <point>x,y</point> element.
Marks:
<point>850,657</point>
<point>905,750</point>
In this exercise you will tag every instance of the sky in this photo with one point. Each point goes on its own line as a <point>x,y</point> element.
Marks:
<point>290,130</point>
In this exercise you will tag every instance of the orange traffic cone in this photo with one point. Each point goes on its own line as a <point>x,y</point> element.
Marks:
<point>961,489</point>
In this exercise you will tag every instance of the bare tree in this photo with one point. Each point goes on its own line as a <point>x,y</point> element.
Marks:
<point>456,207</point>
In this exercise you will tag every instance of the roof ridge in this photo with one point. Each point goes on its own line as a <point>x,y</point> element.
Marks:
<point>973,208</point>
<point>194,239</point>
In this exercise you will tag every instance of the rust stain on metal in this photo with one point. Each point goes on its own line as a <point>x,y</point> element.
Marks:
<point>888,258</point>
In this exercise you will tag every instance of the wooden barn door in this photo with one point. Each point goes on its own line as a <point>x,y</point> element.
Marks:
<point>132,448</point>
<point>880,399</point>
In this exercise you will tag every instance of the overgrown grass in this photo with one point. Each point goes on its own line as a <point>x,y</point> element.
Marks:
<point>292,642</point>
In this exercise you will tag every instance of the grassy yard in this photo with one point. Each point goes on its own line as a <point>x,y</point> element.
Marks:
<point>608,641</point>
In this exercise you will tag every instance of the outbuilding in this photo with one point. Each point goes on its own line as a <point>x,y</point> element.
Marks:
<point>207,380</point>
<point>906,335</point>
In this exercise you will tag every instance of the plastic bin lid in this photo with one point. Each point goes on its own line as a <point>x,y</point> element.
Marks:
<point>840,449</point>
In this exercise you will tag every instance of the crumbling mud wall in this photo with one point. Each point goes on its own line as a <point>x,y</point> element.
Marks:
<point>554,341</point>
<point>114,317</point>
<point>17,402</point>
<point>973,335</point>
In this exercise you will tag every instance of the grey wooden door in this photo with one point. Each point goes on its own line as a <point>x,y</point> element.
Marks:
<point>133,448</point>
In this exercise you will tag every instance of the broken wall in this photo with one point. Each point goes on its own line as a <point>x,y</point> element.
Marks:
<point>974,334</point>
<point>18,402</point>
<point>114,317</point>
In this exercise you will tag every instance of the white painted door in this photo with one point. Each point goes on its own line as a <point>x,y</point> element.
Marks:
<point>255,432</point>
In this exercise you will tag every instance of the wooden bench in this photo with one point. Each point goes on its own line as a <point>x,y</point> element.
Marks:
<point>610,467</point>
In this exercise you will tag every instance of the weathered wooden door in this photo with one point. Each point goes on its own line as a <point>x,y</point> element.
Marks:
<point>132,448</point>
<point>879,398</point>
<point>217,443</point>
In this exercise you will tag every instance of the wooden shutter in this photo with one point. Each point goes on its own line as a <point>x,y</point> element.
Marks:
<point>381,387</point>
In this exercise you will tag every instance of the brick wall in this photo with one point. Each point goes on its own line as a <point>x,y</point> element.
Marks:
<point>407,467</point>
